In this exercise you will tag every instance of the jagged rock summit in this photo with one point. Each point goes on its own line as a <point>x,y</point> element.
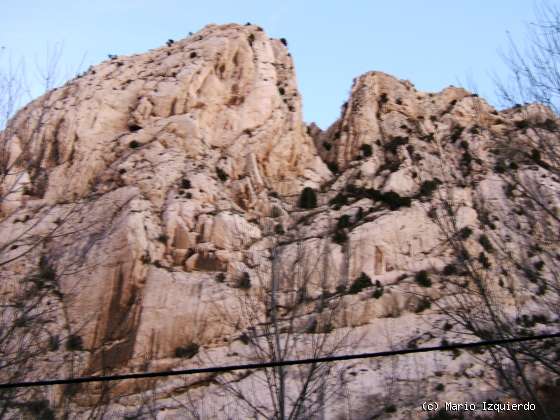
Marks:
<point>230,90</point>
<point>162,180</point>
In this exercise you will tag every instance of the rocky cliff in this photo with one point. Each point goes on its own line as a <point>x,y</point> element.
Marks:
<point>154,188</point>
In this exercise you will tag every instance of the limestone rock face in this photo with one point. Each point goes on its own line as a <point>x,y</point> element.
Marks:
<point>194,131</point>
<point>226,95</point>
<point>167,187</point>
<point>382,108</point>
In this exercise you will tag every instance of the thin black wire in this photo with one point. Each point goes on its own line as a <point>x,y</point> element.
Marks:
<point>229,368</point>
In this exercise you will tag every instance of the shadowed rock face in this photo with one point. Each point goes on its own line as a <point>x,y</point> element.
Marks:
<point>161,170</point>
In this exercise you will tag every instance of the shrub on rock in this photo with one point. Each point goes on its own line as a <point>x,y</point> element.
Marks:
<point>366,150</point>
<point>308,198</point>
<point>427,188</point>
<point>340,237</point>
<point>362,282</point>
<point>187,351</point>
<point>222,174</point>
<point>74,343</point>
<point>343,221</point>
<point>422,279</point>
<point>244,281</point>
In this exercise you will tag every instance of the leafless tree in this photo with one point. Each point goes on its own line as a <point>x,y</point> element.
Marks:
<point>504,281</point>
<point>288,309</point>
<point>534,69</point>
<point>528,163</point>
<point>33,321</point>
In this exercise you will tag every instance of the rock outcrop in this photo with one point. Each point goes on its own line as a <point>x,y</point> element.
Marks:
<point>164,181</point>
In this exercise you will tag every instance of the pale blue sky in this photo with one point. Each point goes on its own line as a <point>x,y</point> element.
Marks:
<point>432,43</point>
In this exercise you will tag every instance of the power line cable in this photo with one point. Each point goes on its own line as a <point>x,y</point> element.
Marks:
<point>230,368</point>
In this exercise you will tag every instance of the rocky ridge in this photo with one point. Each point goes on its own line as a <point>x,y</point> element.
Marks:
<point>163,181</point>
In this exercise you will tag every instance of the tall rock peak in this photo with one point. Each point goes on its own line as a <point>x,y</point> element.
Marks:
<point>226,95</point>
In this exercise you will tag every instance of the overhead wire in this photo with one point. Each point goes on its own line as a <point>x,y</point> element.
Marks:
<point>272,364</point>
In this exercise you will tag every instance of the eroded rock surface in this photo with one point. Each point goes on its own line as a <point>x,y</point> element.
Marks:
<point>164,179</point>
